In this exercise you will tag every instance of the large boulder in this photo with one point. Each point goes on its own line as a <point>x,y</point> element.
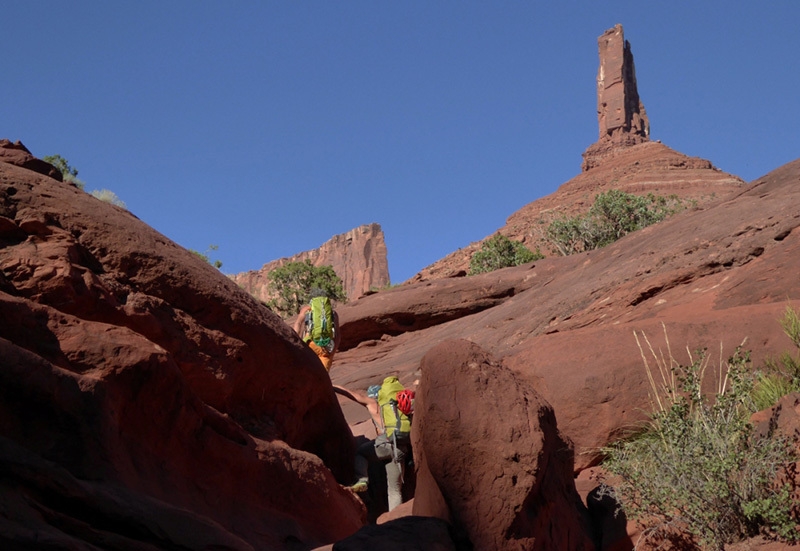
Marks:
<point>137,373</point>
<point>490,458</point>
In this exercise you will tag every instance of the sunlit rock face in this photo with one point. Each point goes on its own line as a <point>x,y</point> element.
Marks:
<point>358,257</point>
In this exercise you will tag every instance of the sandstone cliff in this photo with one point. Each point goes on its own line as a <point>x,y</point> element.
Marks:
<point>358,257</point>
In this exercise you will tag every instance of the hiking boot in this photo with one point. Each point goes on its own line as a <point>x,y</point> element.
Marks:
<point>360,486</point>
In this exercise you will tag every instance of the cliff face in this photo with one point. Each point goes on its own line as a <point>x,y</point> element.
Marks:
<point>358,257</point>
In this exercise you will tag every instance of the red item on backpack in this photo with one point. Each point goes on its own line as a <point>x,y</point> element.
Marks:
<point>405,401</point>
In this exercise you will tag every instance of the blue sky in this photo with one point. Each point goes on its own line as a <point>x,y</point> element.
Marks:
<point>266,128</point>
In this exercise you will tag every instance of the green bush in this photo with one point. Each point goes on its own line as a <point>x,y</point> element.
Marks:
<point>68,173</point>
<point>791,325</point>
<point>612,215</point>
<point>771,387</point>
<point>206,256</point>
<point>291,285</point>
<point>500,252</point>
<point>698,468</point>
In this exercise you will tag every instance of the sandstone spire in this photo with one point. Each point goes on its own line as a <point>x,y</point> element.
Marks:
<point>621,116</point>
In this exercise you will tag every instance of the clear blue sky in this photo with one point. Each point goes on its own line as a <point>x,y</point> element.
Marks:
<point>266,128</point>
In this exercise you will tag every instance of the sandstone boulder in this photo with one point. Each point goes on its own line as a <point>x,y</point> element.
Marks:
<point>490,458</point>
<point>137,380</point>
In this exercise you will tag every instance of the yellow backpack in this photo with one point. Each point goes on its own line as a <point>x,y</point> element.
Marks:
<point>394,420</point>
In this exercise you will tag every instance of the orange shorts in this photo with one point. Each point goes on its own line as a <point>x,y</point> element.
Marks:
<point>324,356</point>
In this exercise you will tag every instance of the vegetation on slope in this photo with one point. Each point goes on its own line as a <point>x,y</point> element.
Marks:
<point>613,214</point>
<point>698,471</point>
<point>291,285</point>
<point>500,252</point>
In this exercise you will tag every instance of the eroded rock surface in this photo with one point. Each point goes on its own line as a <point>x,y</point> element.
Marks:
<point>490,457</point>
<point>147,401</point>
<point>711,277</point>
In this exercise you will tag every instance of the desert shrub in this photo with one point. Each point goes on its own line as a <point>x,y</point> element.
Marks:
<point>68,173</point>
<point>207,256</point>
<point>781,376</point>
<point>108,196</point>
<point>791,325</point>
<point>500,252</point>
<point>771,387</point>
<point>613,214</point>
<point>698,466</point>
<point>291,285</point>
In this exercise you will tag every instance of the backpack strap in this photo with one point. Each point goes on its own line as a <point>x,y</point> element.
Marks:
<point>393,403</point>
<point>395,458</point>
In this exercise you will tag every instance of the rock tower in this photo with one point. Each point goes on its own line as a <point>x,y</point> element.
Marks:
<point>621,117</point>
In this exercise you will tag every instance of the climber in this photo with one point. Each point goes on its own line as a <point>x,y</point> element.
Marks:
<point>317,324</point>
<point>394,406</point>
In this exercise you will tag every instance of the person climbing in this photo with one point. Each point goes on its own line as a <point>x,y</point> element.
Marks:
<point>368,400</point>
<point>395,407</point>
<point>317,324</point>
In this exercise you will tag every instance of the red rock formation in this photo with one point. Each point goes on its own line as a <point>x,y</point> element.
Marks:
<point>622,159</point>
<point>712,276</point>
<point>620,113</point>
<point>649,167</point>
<point>490,458</point>
<point>145,400</point>
<point>17,154</point>
<point>358,257</point>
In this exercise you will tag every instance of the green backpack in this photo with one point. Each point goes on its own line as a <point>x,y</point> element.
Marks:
<point>396,423</point>
<point>319,323</point>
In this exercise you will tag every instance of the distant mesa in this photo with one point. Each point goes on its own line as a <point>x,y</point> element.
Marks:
<point>358,257</point>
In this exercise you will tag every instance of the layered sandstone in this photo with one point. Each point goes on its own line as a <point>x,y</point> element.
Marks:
<point>620,112</point>
<point>146,402</point>
<point>358,257</point>
<point>710,277</point>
